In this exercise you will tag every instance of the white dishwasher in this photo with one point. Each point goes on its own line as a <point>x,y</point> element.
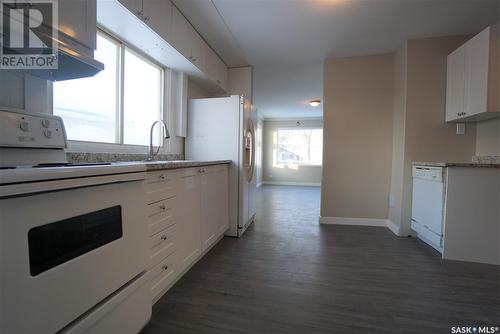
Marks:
<point>428,204</point>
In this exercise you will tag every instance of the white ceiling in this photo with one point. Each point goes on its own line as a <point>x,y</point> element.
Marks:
<point>287,40</point>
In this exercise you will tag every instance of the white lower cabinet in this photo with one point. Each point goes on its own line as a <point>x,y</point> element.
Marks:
<point>222,175</point>
<point>209,207</point>
<point>214,204</point>
<point>188,213</point>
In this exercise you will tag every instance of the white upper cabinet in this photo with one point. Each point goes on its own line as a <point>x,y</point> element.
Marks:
<point>198,47</point>
<point>134,6</point>
<point>221,77</point>
<point>455,87</point>
<point>477,54</point>
<point>77,19</point>
<point>157,14</point>
<point>216,70</point>
<point>473,84</point>
<point>187,41</point>
<point>162,17</point>
<point>182,33</point>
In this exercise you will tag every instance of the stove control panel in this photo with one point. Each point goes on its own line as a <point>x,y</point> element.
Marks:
<point>24,130</point>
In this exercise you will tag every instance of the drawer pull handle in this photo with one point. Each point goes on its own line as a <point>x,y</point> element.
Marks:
<point>162,176</point>
<point>163,207</point>
<point>165,267</point>
<point>163,237</point>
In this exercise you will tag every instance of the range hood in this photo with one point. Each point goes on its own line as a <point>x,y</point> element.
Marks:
<point>71,65</point>
<point>74,61</point>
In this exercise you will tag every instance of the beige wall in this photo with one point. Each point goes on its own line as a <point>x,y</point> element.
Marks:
<point>275,173</point>
<point>358,108</point>
<point>488,138</point>
<point>426,135</point>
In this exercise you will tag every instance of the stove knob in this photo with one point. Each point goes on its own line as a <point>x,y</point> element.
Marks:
<point>25,126</point>
<point>45,123</point>
<point>47,133</point>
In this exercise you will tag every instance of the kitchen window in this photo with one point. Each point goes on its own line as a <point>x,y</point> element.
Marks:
<point>299,146</point>
<point>117,105</point>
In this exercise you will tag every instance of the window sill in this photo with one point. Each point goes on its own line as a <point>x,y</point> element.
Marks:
<point>288,164</point>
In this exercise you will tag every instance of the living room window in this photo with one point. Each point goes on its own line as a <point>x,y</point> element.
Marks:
<point>299,146</point>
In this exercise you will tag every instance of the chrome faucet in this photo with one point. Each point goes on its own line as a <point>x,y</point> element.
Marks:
<point>151,153</point>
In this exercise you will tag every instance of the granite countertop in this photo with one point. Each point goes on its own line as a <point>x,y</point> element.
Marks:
<point>174,164</point>
<point>456,164</point>
<point>165,161</point>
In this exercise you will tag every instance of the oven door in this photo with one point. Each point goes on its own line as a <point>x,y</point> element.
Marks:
<point>64,251</point>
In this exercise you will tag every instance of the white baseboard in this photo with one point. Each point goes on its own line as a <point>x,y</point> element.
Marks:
<point>393,227</point>
<point>353,221</point>
<point>303,184</point>
<point>360,222</point>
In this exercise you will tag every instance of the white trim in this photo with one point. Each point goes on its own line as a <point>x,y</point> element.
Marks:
<point>393,227</point>
<point>353,221</point>
<point>304,184</point>
<point>361,222</point>
<point>275,119</point>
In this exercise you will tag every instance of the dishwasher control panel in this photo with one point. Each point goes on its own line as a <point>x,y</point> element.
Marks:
<point>428,173</point>
<point>23,130</point>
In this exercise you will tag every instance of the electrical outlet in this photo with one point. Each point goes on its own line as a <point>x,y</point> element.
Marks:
<point>460,128</point>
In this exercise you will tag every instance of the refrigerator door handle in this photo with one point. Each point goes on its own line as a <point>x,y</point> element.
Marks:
<point>252,150</point>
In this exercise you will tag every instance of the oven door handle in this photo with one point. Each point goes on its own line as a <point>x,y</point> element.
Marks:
<point>35,188</point>
<point>81,324</point>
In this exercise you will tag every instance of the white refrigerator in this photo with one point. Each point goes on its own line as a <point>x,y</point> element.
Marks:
<point>224,129</point>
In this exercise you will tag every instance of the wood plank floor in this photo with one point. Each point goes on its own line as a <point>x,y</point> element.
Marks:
<point>290,275</point>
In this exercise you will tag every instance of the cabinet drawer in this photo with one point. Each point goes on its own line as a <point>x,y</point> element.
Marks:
<point>187,172</point>
<point>163,274</point>
<point>159,191</point>
<point>161,176</point>
<point>162,244</point>
<point>160,215</point>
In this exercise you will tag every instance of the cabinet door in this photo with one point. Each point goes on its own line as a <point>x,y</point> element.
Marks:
<point>78,20</point>
<point>455,84</point>
<point>222,197</point>
<point>134,6</point>
<point>221,78</point>
<point>198,47</point>
<point>209,207</point>
<point>476,73</point>
<point>158,16</point>
<point>182,33</point>
<point>189,204</point>
<point>211,65</point>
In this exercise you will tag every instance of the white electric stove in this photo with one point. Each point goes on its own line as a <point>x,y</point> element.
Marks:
<point>73,243</point>
<point>32,148</point>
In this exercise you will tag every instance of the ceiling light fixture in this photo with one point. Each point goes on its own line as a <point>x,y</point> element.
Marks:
<point>314,103</point>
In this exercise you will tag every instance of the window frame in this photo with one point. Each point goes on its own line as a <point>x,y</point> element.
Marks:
<point>119,146</point>
<point>302,164</point>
